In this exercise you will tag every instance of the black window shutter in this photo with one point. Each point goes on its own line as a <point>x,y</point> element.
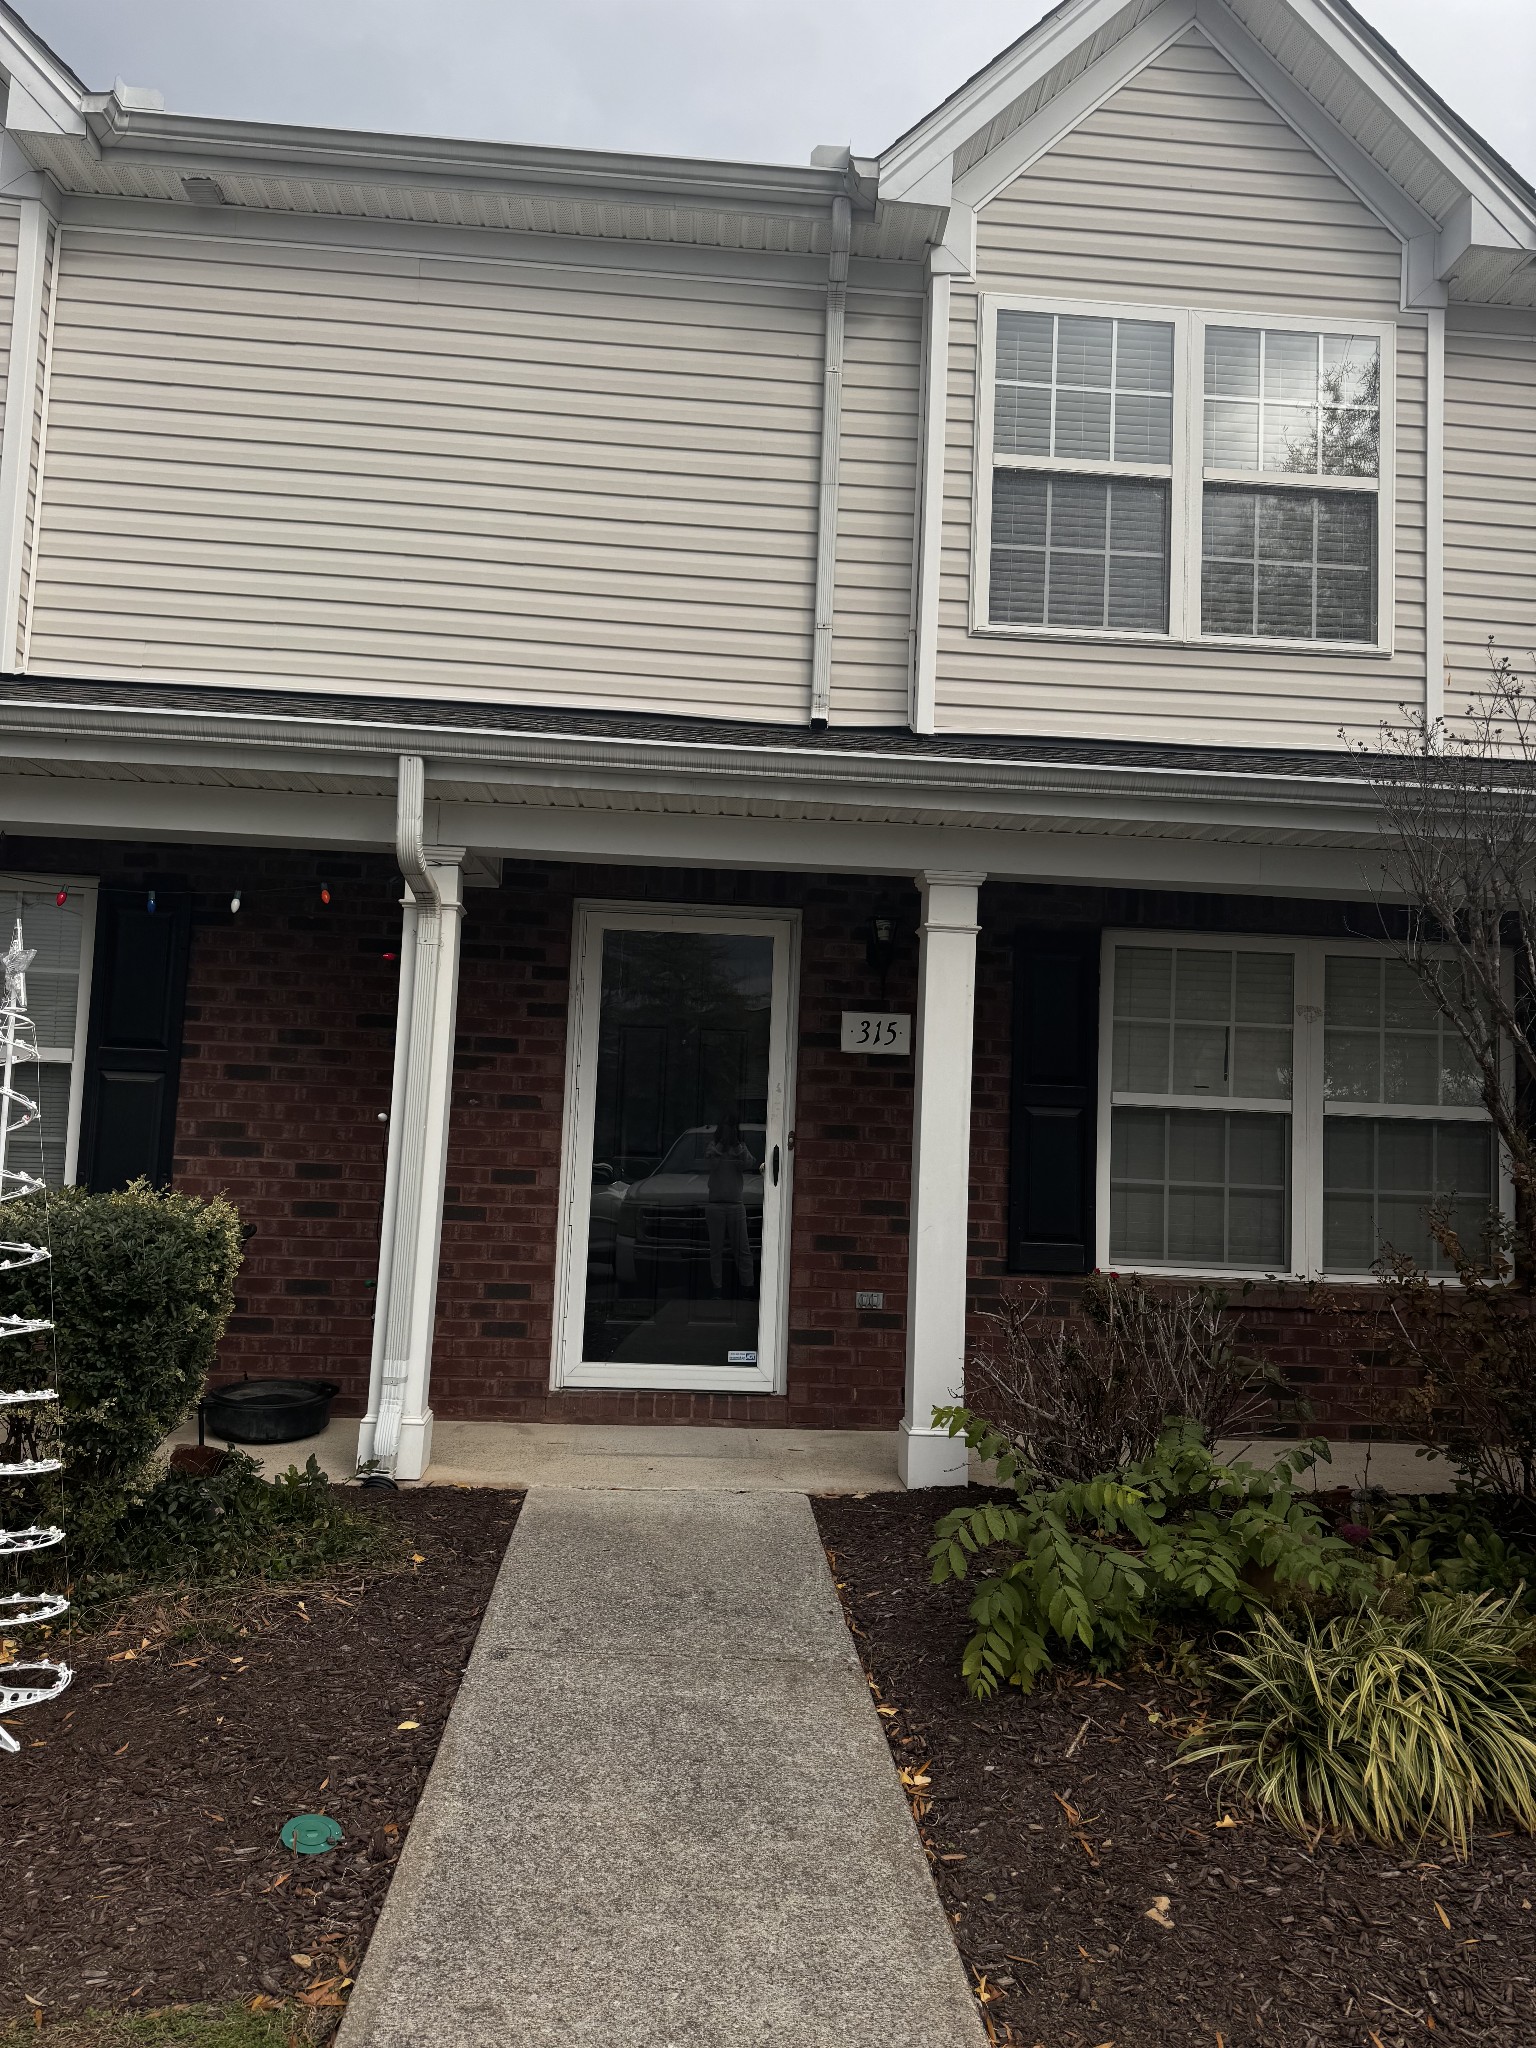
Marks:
<point>1054,1102</point>
<point>133,1053</point>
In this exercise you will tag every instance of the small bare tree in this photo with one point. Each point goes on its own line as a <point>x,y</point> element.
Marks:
<point>1459,804</point>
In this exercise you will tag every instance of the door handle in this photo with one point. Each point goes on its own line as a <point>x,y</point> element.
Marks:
<point>775,1165</point>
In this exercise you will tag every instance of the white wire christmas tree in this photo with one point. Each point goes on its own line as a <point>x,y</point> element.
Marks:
<point>22,1685</point>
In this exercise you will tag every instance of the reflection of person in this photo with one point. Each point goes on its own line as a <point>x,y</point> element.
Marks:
<point>725,1207</point>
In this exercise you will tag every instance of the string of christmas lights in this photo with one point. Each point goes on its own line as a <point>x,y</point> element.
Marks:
<point>23,1684</point>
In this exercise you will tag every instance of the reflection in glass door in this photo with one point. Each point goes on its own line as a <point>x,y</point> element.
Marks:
<point>677,1162</point>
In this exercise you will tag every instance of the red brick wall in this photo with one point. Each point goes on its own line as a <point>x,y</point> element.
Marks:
<point>289,1046</point>
<point>852,1160</point>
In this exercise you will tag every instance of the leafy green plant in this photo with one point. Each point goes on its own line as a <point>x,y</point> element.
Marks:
<point>1391,1727</point>
<point>1092,1567</point>
<point>1456,1543</point>
<point>139,1290</point>
<point>202,1528</point>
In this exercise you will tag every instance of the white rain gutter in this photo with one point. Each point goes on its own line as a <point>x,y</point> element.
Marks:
<point>831,440</point>
<point>403,1172</point>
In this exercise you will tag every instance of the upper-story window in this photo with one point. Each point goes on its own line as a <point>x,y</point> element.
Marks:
<point>1183,475</point>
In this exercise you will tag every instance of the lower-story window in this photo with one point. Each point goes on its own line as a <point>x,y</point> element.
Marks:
<point>58,921</point>
<point>1283,1107</point>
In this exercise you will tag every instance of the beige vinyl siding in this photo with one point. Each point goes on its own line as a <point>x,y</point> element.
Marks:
<point>1184,189</point>
<point>398,473</point>
<point>1490,493</point>
<point>10,230</point>
<point>39,427</point>
<point>877,480</point>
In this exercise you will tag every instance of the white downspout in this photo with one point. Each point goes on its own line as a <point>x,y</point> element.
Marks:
<point>385,1281</point>
<point>831,442</point>
<point>1434,518</point>
<point>408,1113</point>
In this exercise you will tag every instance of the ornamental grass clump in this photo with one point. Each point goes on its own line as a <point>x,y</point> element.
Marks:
<point>1391,1728</point>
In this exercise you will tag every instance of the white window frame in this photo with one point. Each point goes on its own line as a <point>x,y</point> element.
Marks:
<point>1186,475</point>
<point>81,888</point>
<point>593,919</point>
<point>1307,1108</point>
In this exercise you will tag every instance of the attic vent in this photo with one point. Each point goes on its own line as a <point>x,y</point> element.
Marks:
<point>203,191</point>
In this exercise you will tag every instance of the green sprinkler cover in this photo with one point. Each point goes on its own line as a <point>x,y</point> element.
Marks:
<point>310,1833</point>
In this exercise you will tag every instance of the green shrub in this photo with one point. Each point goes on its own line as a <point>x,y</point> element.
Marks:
<point>1459,1542</point>
<point>139,1288</point>
<point>204,1528</point>
<point>1390,1727</point>
<point>1094,1566</point>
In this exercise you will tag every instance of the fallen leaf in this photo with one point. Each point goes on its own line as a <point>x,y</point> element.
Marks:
<point>407,1724</point>
<point>1227,1821</point>
<point>304,1962</point>
<point>1158,1911</point>
<point>417,1558</point>
<point>1445,1920</point>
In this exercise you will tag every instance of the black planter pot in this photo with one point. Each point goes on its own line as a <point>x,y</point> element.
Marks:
<point>266,1411</point>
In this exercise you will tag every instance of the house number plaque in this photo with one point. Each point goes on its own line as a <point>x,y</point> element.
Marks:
<point>876,1031</point>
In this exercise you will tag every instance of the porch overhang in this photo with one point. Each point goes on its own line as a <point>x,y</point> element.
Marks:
<point>99,761</point>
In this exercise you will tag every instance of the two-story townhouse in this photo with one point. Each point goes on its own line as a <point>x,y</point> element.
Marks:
<point>850,663</point>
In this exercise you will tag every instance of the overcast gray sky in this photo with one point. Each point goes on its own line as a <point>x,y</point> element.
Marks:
<point>753,79</point>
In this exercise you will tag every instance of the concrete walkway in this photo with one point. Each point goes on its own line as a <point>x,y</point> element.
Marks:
<point>663,1814</point>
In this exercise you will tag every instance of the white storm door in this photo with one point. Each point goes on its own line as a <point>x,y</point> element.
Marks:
<point>676,1164</point>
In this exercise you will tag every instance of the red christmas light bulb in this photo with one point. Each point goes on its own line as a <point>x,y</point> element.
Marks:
<point>325,892</point>
<point>62,898</point>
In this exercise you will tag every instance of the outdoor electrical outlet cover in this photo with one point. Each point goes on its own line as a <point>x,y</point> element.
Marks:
<point>310,1833</point>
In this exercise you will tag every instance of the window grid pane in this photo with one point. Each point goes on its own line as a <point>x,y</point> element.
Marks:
<point>1079,551</point>
<point>1203,1021</point>
<point>1304,404</point>
<point>1083,388</point>
<point>1288,565</point>
<point>1383,1175</point>
<point>1385,1042</point>
<point>1192,1187</point>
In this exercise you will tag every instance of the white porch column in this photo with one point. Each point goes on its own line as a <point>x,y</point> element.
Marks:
<point>398,1429</point>
<point>941,1161</point>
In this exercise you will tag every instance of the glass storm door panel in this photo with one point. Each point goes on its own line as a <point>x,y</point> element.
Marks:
<point>679,1160</point>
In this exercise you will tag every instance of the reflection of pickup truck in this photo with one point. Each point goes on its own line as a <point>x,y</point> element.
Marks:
<point>661,1217</point>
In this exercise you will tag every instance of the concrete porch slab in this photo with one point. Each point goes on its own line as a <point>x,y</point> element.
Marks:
<point>658,1456</point>
<point>646,1456</point>
<point>664,1812</point>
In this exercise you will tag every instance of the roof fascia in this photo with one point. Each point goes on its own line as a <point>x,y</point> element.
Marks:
<point>1073,105</point>
<point>43,93</point>
<point>908,167</point>
<point>1408,101</point>
<point>274,149</point>
<point>1296,106</point>
<point>323,744</point>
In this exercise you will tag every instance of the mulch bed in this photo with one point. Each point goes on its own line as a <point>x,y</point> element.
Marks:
<point>142,1863</point>
<point>1054,1822</point>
